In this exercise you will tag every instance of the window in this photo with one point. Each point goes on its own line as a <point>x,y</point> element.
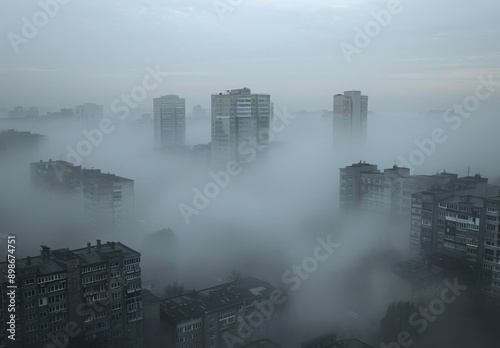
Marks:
<point>31,316</point>
<point>29,281</point>
<point>29,293</point>
<point>29,305</point>
<point>31,328</point>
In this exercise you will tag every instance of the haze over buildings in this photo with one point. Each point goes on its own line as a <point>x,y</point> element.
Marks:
<point>170,121</point>
<point>240,122</point>
<point>350,119</point>
<point>275,174</point>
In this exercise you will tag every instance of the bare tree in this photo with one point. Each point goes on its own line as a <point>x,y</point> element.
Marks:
<point>235,275</point>
<point>174,289</point>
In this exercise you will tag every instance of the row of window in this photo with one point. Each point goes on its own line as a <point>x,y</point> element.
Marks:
<point>131,261</point>
<point>187,338</point>
<point>95,278</point>
<point>93,268</point>
<point>51,278</point>
<point>188,328</point>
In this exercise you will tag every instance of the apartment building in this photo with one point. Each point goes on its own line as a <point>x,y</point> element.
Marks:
<point>364,187</point>
<point>104,200</point>
<point>350,119</point>
<point>88,297</point>
<point>240,121</point>
<point>169,121</point>
<point>211,317</point>
<point>460,227</point>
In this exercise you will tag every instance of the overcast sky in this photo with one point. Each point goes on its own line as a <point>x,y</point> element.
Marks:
<point>428,56</point>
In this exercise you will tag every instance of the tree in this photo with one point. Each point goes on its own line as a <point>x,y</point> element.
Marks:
<point>235,275</point>
<point>397,319</point>
<point>173,290</point>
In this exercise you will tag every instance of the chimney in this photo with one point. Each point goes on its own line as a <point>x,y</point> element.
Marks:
<point>88,247</point>
<point>28,259</point>
<point>99,244</point>
<point>45,253</point>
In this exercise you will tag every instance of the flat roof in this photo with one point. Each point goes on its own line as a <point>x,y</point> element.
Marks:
<point>195,304</point>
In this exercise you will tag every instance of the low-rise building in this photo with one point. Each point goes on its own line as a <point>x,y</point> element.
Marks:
<point>214,317</point>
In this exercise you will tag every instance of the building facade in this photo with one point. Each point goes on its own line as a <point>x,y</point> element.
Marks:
<point>89,297</point>
<point>169,121</point>
<point>104,200</point>
<point>12,141</point>
<point>211,317</point>
<point>240,125</point>
<point>461,228</point>
<point>350,119</point>
<point>364,187</point>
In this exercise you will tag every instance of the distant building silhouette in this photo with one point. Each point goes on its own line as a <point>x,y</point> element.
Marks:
<point>20,112</point>
<point>363,186</point>
<point>240,122</point>
<point>198,112</point>
<point>12,140</point>
<point>89,112</point>
<point>350,114</point>
<point>107,200</point>
<point>64,114</point>
<point>169,121</point>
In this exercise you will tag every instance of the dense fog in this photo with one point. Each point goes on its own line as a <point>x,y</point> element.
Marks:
<point>284,202</point>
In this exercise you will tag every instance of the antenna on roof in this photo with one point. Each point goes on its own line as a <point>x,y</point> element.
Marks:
<point>468,171</point>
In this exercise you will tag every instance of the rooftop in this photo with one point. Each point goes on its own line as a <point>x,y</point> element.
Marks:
<point>54,261</point>
<point>215,298</point>
<point>351,343</point>
<point>416,270</point>
<point>465,200</point>
<point>70,168</point>
<point>261,344</point>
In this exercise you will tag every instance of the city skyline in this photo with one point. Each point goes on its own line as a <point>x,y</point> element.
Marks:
<point>255,173</point>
